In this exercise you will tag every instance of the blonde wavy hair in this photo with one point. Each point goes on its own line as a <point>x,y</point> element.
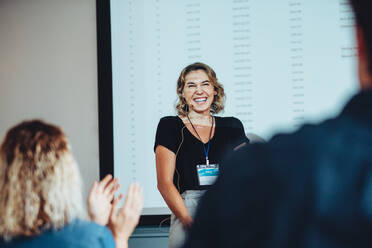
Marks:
<point>218,100</point>
<point>40,184</point>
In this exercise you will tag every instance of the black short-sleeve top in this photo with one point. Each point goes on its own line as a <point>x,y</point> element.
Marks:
<point>173,134</point>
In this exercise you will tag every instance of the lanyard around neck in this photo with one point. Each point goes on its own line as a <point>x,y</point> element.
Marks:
<point>206,150</point>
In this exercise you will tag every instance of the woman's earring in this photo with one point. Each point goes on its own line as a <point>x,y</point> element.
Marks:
<point>213,107</point>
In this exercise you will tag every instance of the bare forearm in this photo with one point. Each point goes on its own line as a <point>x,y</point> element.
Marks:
<point>175,202</point>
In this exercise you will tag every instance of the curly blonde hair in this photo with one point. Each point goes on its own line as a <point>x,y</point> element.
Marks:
<point>218,100</point>
<point>40,184</point>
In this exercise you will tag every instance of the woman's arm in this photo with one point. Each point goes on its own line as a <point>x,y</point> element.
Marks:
<point>165,167</point>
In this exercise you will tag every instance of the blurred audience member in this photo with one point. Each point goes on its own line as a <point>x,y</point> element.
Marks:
<point>40,195</point>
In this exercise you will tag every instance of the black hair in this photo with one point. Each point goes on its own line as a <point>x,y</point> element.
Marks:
<point>363,17</point>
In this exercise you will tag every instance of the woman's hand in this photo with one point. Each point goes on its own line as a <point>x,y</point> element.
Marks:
<point>122,222</point>
<point>187,222</point>
<point>100,197</point>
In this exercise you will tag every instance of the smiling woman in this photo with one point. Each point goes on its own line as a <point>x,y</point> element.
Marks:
<point>190,146</point>
<point>205,75</point>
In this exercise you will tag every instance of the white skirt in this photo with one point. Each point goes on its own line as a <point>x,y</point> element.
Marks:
<point>177,232</point>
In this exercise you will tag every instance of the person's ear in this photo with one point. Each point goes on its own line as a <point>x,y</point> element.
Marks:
<point>361,50</point>
<point>365,78</point>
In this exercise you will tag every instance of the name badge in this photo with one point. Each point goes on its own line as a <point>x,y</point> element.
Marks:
<point>207,174</point>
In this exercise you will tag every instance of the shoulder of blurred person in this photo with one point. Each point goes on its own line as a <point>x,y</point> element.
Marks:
<point>77,234</point>
<point>311,187</point>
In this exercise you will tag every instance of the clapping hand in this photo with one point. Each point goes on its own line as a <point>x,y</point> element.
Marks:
<point>123,221</point>
<point>100,199</point>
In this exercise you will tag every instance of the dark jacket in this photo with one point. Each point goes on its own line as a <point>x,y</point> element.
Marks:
<point>312,188</point>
